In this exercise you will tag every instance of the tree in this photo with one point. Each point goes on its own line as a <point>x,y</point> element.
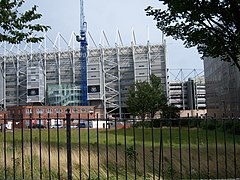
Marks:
<point>146,97</point>
<point>171,111</point>
<point>16,26</point>
<point>211,25</point>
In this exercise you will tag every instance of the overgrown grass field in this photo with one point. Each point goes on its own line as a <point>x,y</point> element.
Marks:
<point>112,147</point>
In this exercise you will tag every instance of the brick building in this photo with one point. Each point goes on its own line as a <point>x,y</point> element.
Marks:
<point>39,115</point>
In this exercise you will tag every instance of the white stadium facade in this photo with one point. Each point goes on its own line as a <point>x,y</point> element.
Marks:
<point>34,75</point>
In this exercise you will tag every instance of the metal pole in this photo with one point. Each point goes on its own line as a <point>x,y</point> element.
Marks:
<point>69,155</point>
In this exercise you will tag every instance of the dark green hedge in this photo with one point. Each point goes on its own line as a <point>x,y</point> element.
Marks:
<point>211,124</point>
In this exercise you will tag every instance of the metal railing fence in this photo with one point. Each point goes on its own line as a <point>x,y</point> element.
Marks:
<point>53,148</point>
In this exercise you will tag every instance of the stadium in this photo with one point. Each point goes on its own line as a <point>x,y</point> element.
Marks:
<point>36,75</point>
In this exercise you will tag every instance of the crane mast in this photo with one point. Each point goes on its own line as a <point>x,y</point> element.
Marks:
<point>83,56</point>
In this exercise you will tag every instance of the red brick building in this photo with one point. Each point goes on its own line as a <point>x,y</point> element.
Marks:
<point>2,115</point>
<point>35,113</point>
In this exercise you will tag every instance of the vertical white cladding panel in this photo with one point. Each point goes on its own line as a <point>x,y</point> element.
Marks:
<point>1,86</point>
<point>94,75</point>
<point>35,84</point>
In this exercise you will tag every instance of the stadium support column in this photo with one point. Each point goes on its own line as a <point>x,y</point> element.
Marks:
<point>45,72</point>
<point>103,82</point>
<point>73,68</point>
<point>4,80</point>
<point>191,94</point>
<point>3,74</point>
<point>149,61</point>
<point>134,65</point>
<point>59,67</point>
<point>1,85</point>
<point>119,83</point>
<point>18,78</point>
<point>195,94</point>
<point>183,95</point>
<point>164,45</point>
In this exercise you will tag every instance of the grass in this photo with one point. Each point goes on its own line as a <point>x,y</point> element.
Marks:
<point>124,144</point>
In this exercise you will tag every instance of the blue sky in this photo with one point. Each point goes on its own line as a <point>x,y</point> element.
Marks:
<point>109,15</point>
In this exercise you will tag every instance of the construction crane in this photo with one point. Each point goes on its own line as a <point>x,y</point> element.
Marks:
<point>83,56</point>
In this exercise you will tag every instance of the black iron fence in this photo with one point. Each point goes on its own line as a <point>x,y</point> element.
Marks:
<point>54,148</point>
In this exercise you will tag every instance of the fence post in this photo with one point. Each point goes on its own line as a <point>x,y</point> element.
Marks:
<point>69,155</point>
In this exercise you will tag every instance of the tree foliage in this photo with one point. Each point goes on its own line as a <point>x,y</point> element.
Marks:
<point>170,111</point>
<point>17,26</point>
<point>146,97</point>
<point>211,25</point>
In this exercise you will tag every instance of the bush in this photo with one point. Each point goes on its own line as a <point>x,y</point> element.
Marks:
<point>210,124</point>
<point>227,124</point>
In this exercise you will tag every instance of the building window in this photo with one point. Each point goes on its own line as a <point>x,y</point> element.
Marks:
<point>49,111</point>
<point>90,110</point>
<point>83,110</point>
<point>39,111</point>
<point>58,111</point>
<point>28,111</point>
<point>75,110</point>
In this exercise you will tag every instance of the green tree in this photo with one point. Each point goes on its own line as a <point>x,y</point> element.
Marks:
<point>211,25</point>
<point>171,111</point>
<point>17,26</point>
<point>146,97</point>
